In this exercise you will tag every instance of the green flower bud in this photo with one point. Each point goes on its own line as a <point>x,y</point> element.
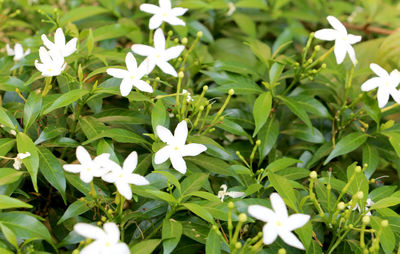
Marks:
<point>384,223</point>
<point>313,175</point>
<point>358,169</point>
<point>199,34</point>
<point>341,205</point>
<point>281,251</point>
<point>231,205</point>
<point>238,245</point>
<point>366,220</point>
<point>181,74</point>
<point>231,92</point>
<point>242,217</point>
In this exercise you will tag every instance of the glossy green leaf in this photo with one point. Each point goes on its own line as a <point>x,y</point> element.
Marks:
<point>25,144</point>
<point>76,208</point>
<point>213,243</point>
<point>261,110</point>
<point>8,202</point>
<point>65,100</point>
<point>32,109</point>
<point>347,144</point>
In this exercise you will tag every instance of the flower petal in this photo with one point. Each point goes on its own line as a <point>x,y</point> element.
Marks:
<point>371,83</point>
<point>49,45</point>
<point>351,38</point>
<point>131,63</point>
<point>117,73</point>
<point>59,38</point>
<point>159,40</point>
<point>146,67</point>
<point>173,52</point>
<point>126,86</point>
<point>290,239</point>
<point>278,205</point>
<point>178,11</point>
<point>137,179</point>
<point>352,54</point>
<point>378,70</point>
<point>167,68</point>
<point>73,168</point>
<point>336,24</point>
<point>143,86</point>
<point>340,50</point>
<point>165,4</point>
<point>269,233</point>
<point>130,162</point>
<point>45,56</point>
<point>149,8</point>
<point>112,231</point>
<point>86,176</point>
<point>9,50</point>
<point>326,34</point>
<point>110,177</point>
<point>94,247</point>
<point>193,149</point>
<point>296,221</point>
<point>155,22</point>
<point>180,133</point>
<point>89,231</point>
<point>19,51</point>
<point>121,248</point>
<point>124,189</point>
<point>178,162</point>
<point>395,94</point>
<point>235,194</point>
<point>142,50</point>
<point>174,21</point>
<point>261,213</point>
<point>82,155</point>
<point>383,96</point>
<point>162,155</point>
<point>70,47</point>
<point>164,134</point>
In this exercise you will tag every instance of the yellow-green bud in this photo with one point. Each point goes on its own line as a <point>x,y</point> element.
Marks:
<point>157,78</point>
<point>317,48</point>
<point>242,217</point>
<point>103,218</point>
<point>176,40</point>
<point>238,245</point>
<point>110,211</point>
<point>231,205</point>
<point>341,205</point>
<point>258,142</point>
<point>201,108</point>
<point>75,252</point>
<point>329,187</point>
<point>181,74</point>
<point>98,223</point>
<point>384,223</point>
<point>365,251</point>
<point>312,34</point>
<point>366,220</point>
<point>281,251</point>
<point>199,34</point>
<point>215,227</point>
<point>360,195</point>
<point>205,88</point>
<point>351,226</point>
<point>323,66</point>
<point>310,60</point>
<point>231,92</point>
<point>170,33</point>
<point>184,41</point>
<point>358,169</point>
<point>313,175</point>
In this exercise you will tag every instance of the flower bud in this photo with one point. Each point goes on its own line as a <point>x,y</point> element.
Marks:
<point>384,223</point>
<point>323,66</point>
<point>341,205</point>
<point>181,74</point>
<point>170,33</point>
<point>357,169</point>
<point>317,48</point>
<point>242,217</point>
<point>281,251</point>
<point>231,205</point>
<point>201,108</point>
<point>103,219</point>
<point>238,245</point>
<point>366,220</point>
<point>360,195</point>
<point>313,175</point>
<point>215,227</point>
<point>199,34</point>
<point>205,88</point>
<point>231,92</point>
<point>184,40</point>
<point>75,252</point>
<point>176,40</point>
<point>258,142</point>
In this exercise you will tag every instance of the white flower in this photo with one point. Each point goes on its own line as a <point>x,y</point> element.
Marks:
<point>386,84</point>
<point>367,206</point>
<point>105,241</point>
<point>176,149</point>
<point>343,40</point>
<point>59,43</point>
<point>278,221</point>
<point>18,160</point>
<point>163,13</point>
<point>233,194</point>
<point>122,177</point>
<point>88,168</point>
<point>188,96</point>
<point>132,76</point>
<point>52,63</point>
<point>159,55</point>
<point>17,52</point>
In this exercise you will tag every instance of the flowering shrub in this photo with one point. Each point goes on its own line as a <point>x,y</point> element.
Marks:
<point>199,126</point>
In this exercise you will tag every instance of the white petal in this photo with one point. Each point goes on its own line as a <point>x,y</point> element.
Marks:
<point>70,47</point>
<point>164,134</point>
<point>290,239</point>
<point>336,24</point>
<point>73,168</point>
<point>9,50</point>
<point>126,86</point>
<point>82,155</point>
<point>19,50</point>
<point>340,50</point>
<point>193,149</point>
<point>395,94</point>
<point>94,247</point>
<point>39,66</point>
<point>124,189</point>
<point>89,231</point>
<point>352,54</point>
<point>178,11</point>
<point>86,177</point>
<point>278,205</point>
<point>44,56</point>
<point>269,233</point>
<point>117,73</point>
<point>174,21</point>
<point>378,70</point>
<point>146,67</point>
<point>59,38</point>
<point>155,22</point>
<point>178,162</point>
<point>49,45</point>
<point>162,155</point>
<point>27,52</point>
<point>326,34</point>
<point>120,248</point>
<point>371,83</point>
<point>130,162</point>
<point>131,63</point>
<point>143,86</point>
<point>351,38</point>
<point>149,8</point>
<point>110,177</point>
<point>165,4</point>
<point>235,194</point>
<point>142,50</point>
<point>383,96</point>
<point>137,179</point>
<point>104,159</point>
<point>181,132</point>
<point>167,68</point>
<point>159,40</point>
<point>173,52</point>
<point>112,231</point>
<point>261,213</point>
<point>296,221</point>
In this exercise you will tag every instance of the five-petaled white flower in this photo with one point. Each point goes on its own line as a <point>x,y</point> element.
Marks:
<point>88,168</point>
<point>17,52</point>
<point>233,194</point>
<point>176,149</point>
<point>105,241</point>
<point>18,160</point>
<point>159,55</point>
<point>59,43</point>
<point>163,13</point>
<point>343,40</point>
<point>386,84</point>
<point>132,76</point>
<point>52,63</point>
<point>122,177</point>
<point>278,221</point>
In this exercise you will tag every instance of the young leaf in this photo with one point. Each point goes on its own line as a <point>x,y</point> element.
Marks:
<point>8,202</point>
<point>261,110</point>
<point>213,243</point>
<point>347,144</point>
<point>296,109</point>
<point>65,100</point>
<point>284,188</point>
<point>25,144</point>
<point>32,109</point>
<point>171,234</point>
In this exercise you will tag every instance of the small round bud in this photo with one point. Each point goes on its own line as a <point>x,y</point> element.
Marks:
<point>231,92</point>
<point>199,34</point>
<point>341,205</point>
<point>366,220</point>
<point>329,187</point>
<point>148,81</point>
<point>281,251</point>
<point>317,48</point>
<point>75,252</point>
<point>358,169</point>
<point>238,245</point>
<point>201,108</point>
<point>259,234</point>
<point>372,180</point>
<point>384,223</point>
<point>231,205</point>
<point>215,227</point>
<point>103,218</point>
<point>313,175</point>
<point>310,60</point>
<point>360,195</point>
<point>184,40</point>
<point>221,118</point>
<point>372,249</point>
<point>205,88</point>
<point>365,165</point>
<point>351,226</point>
<point>181,74</point>
<point>170,33</point>
<point>242,217</point>
<point>312,34</point>
<point>110,211</point>
<point>176,40</point>
<point>157,78</point>
<point>258,142</point>
<point>365,251</point>
<point>98,223</point>
<point>323,66</point>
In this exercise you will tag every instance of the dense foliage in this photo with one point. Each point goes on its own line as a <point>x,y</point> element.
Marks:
<point>282,141</point>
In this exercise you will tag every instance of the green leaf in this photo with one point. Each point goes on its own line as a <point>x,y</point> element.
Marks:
<point>394,139</point>
<point>9,235</point>
<point>25,144</point>
<point>284,188</point>
<point>9,175</point>
<point>205,195</point>
<point>65,99</point>
<point>261,110</point>
<point>275,73</point>
<point>81,13</point>
<point>119,135</point>
<point>6,144</point>
<point>268,136</point>
<point>32,109</point>
<point>386,202</point>
<point>371,107</point>
<point>370,156</point>
<point>145,246</point>
<point>51,169</point>
<point>199,211</point>
<point>158,115</point>
<point>5,118</point>
<point>91,126</point>
<point>211,164</point>
<point>260,50</point>
<point>76,208</point>
<point>193,183</point>
<point>245,23</point>
<point>154,194</point>
<point>7,202</point>
<point>171,234</point>
<point>387,239</point>
<point>302,132</point>
<point>296,109</point>
<point>234,128</point>
<point>347,144</point>
<point>48,133</point>
<point>111,31</point>
<point>171,178</point>
<point>280,164</point>
<point>213,243</point>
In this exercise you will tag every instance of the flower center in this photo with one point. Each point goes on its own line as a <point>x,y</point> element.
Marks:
<point>279,223</point>
<point>49,69</point>
<point>176,148</point>
<point>387,83</point>
<point>132,77</point>
<point>121,175</point>
<point>88,169</point>
<point>343,38</point>
<point>158,55</point>
<point>164,14</point>
<point>108,244</point>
